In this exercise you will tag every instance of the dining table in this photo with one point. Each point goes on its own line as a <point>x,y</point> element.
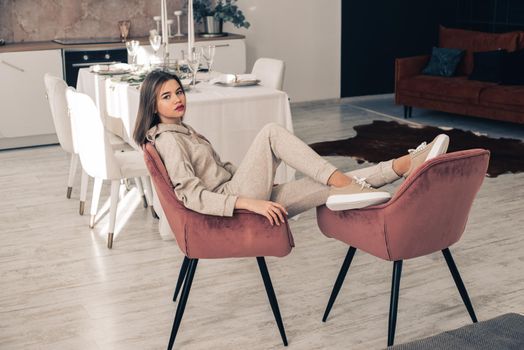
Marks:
<point>228,116</point>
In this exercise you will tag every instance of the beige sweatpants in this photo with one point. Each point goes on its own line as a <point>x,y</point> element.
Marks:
<point>273,144</point>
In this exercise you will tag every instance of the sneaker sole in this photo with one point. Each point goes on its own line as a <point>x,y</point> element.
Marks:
<point>356,201</point>
<point>439,147</point>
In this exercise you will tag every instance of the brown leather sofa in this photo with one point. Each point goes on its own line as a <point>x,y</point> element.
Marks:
<point>457,94</point>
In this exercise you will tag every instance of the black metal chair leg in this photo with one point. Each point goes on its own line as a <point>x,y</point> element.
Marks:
<point>340,280</point>
<point>393,305</point>
<point>272,297</point>
<point>181,277</point>
<point>460,285</point>
<point>183,300</point>
<point>408,112</point>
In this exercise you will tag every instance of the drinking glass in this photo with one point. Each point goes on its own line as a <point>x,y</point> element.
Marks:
<point>193,62</point>
<point>132,49</point>
<point>123,27</point>
<point>155,40</point>
<point>208,53</point>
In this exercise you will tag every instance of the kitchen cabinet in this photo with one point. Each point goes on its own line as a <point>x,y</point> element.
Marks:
<point>25,117</point>
<point>230,54</point>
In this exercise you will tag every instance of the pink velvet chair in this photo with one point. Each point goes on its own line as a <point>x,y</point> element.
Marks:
<point>200,236</point>
<point>428,213</point>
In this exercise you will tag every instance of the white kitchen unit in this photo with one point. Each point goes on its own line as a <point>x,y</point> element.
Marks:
<point>25,117</point>
<point>230,54</point>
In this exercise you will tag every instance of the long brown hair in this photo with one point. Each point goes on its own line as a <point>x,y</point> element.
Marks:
<point>147,117</point>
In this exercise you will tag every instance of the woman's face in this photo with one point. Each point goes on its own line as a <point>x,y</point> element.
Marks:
<point>170,102</point>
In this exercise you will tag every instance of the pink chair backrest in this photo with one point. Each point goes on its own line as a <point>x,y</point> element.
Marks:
<point>204,236</point>
<point>428,213</point>
<point>430,210</point>
<point>170,204</point>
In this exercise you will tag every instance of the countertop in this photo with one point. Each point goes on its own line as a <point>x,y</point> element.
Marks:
<point>51,45</point>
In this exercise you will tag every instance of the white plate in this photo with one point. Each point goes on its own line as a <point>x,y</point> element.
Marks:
<point>240,83</point>
<point>113,72</point>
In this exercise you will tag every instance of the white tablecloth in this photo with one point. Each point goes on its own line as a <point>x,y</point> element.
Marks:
<point>229,117</point>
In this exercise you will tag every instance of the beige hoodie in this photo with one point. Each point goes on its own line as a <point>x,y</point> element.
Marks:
<point>196,171</point>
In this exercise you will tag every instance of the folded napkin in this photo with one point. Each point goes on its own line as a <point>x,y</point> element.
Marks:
<point>233,78</point>
<point>245,77</point>
<point>186,82</point>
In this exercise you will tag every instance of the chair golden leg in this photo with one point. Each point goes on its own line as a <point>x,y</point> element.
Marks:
<point>127,184</point>
<point>69,190</point>
<point>110,240</point>
<point>144,200</point>
<point>92,221</point>
<point>82,206</point>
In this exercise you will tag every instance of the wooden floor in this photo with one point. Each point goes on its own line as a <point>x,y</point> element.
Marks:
<point>61,288</point>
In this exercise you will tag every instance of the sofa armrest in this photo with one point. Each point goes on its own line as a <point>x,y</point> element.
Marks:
<point>409,66</point>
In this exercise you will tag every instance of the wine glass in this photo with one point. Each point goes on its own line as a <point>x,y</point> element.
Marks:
<point>208,53</point>
<point>193,62</point>
<point>155,40</point>
<point>132,49</point>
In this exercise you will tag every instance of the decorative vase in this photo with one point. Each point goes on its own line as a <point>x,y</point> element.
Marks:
<point>212,25</point>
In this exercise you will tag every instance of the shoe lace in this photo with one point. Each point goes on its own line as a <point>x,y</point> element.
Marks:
<point>419,148</point>
<point>362,182</point>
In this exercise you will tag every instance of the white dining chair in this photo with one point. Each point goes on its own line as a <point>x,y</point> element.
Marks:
<point>270,72</point>
<point>56,95</point>
<point>99,159</point>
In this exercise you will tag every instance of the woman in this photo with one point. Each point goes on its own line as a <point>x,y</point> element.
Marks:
<point>207,185</point>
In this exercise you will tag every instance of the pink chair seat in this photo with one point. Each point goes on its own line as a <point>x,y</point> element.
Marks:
<point>246,234</point>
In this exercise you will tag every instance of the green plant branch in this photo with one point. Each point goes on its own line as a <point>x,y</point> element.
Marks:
<point>225,10</point>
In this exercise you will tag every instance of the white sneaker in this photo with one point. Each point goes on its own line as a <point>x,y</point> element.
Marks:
<point>358,194</point>
<point>425,152</point>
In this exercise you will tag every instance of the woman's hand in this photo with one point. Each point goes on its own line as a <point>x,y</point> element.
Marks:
<point>273,211</point>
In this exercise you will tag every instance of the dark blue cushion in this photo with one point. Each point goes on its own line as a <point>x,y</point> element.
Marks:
<point>443,62</point>
<point>513,68</point>
<point>487,66</point>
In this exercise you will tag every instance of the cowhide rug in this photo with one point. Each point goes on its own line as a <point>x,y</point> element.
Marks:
<point>382,140</point>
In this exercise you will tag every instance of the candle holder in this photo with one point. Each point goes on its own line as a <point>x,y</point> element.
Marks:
<point>178,14</point>
<point>157,19</point>
<point>169,23</point>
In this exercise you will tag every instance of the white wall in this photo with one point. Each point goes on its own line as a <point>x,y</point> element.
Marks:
<point>305,34</point>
